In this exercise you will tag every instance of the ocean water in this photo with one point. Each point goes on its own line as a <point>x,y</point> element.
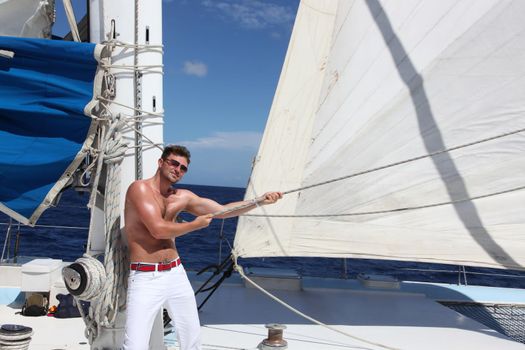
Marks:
<point>206,247</point>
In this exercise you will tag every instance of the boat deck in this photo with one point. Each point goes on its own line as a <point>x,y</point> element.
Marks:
<point>234,318</point>
<point>49,332</point>
<point>397,319</point>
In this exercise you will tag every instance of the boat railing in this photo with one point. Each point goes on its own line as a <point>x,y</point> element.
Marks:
<point>11,245</point>
<point>10,252</point>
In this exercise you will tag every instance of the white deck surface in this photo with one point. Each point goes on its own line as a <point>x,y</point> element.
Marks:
<point>234,318</point>
<point>49,333</point>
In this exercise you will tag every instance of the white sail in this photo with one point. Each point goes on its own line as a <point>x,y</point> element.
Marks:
<point>27,18</point>
<point>368,84</point>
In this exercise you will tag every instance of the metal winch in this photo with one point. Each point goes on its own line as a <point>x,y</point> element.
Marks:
<point>275,339</point>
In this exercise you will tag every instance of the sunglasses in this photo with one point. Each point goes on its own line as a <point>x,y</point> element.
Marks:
<point>177,164</point>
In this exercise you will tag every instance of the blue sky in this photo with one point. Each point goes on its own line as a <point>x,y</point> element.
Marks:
<point>222,62</point>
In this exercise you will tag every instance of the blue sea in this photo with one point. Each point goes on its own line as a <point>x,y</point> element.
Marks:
<point>206,247</point>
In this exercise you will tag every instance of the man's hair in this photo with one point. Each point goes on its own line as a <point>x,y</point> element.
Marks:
<point>177,150</point>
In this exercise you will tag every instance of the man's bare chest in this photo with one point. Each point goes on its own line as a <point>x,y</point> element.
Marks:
<point>170,206</point>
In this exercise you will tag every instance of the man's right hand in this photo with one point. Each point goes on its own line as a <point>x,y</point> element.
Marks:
<point>203,221</point>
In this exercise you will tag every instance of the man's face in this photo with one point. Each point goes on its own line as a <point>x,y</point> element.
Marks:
<point>174,167</point>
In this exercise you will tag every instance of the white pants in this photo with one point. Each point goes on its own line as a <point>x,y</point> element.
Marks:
<point>147,293</point>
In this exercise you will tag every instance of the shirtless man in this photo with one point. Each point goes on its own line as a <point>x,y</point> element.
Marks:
<point>157,276</point>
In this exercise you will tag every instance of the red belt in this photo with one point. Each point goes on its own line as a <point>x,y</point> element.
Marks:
<point>155,267</point>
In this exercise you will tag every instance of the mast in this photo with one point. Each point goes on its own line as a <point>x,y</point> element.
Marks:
<point>136,30</point>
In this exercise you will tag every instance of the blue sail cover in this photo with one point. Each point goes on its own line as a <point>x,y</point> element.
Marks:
<point>44,89</point>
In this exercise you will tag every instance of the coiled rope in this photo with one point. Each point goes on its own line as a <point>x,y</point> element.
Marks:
<point>95,277</point>
<point>116,259</point>
<point>106,287</point>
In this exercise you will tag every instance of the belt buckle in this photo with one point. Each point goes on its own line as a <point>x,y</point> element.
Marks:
<point>137,268</point>
<point>166,265</point>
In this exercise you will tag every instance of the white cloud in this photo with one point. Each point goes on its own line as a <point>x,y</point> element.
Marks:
<point>196,68</point>
<point>233,140</point>
<point>252,14</point>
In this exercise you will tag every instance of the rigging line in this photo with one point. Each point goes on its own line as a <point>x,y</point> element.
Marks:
<point>133,46</point>
<point>53,226</point>
<point>406,161</point>
<point>130,117</point>
<point>146,123</point>
<point>494,274</point>
<point>215,347</point>
<point>146,146</point>
<point>148,67</point>
<point>311,319</point>
<point>153,143</point>
<point>7,235</point>
<point>249,203</point>
<point>389,210</point>
<point>455,271</point>
<point>133,120</point>
<point>129,107</point>
<point>144,117</point>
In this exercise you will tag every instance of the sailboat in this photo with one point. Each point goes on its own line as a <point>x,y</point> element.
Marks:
<point>396,134</point>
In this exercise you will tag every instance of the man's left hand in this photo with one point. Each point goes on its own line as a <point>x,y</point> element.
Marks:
<point>271,197</point>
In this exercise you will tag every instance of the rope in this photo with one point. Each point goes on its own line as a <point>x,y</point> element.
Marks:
<point>7,235</point>
<point>456,271</point>
<point>258,200</point>
<point>311,319</point>
<point>143,117</point>
<point>129,107</point>
<point>250,203</point>
<point>215,347</point>
<point>145,47</point>
<point>55,226</point>
<point>7,54</point>
<point>136,67</point>
<point>406,161</point>
<point>153,143</point>
<point>95,277</point>
<point>115,257</point>
<point>389,210</point>
<point>107,283</point>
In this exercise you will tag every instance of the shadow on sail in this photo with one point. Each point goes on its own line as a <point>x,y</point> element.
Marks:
<point>443,162</point>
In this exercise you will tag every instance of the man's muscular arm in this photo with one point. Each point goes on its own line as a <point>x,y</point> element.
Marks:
<point>141,198</point>
<point>201,206</point>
